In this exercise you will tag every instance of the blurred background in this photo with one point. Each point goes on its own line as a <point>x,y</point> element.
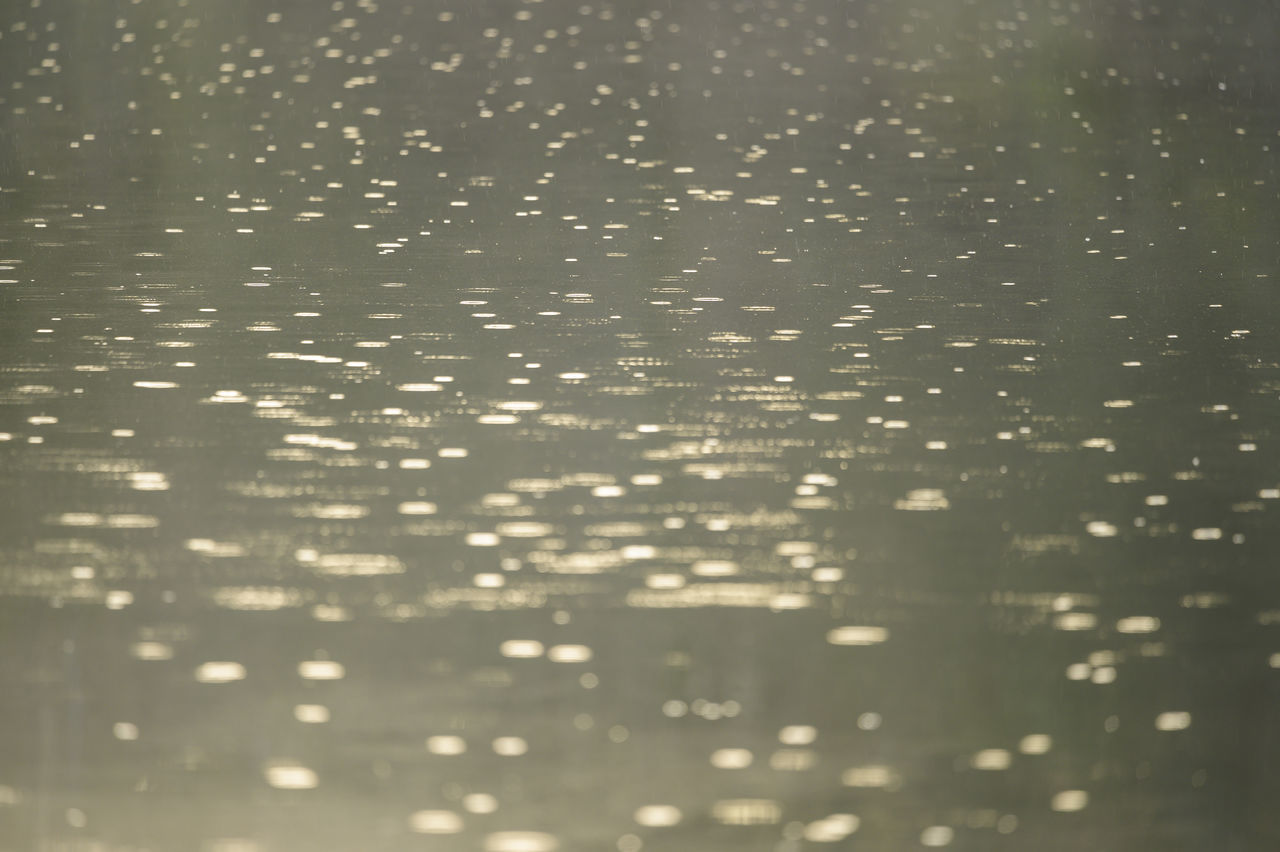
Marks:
<point>528,426</point>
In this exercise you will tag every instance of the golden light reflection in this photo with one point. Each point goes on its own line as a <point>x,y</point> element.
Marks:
<point>220,672</point>
<point>435,822</point>
<point>747,811</point>
<point>858,635</point>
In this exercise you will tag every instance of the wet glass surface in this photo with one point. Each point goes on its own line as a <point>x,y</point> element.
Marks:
<point>669,426</point>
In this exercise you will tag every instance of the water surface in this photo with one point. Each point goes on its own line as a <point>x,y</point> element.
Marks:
<point>672,426</point>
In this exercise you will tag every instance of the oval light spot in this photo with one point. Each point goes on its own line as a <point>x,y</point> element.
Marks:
<point>521,649</point>
<point>1174,720</point>
<point>731,758</point>
<point>937,835</point>
<point>447,745</point>
<point>480,803</point>
<point>857,635</point>
<point>510,746</point>
<point>658,816</point>
<point>1069,801</point>
<point>991,759</point>
<point>797,735</point>
<point>1035,744</point>
<point>290,776</point>
<point>831,829</point>
<point>520,841</point>
<point>435,822</point>
<point>321,670</point>
<point>569,654</point>
<point>220,671</point>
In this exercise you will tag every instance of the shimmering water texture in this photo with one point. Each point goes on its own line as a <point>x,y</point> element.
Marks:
<point>530,426</point>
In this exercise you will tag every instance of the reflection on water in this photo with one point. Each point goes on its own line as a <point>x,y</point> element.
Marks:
<point>719,425</point>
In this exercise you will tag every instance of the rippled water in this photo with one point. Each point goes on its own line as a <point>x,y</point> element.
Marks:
<point>673,426</point>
